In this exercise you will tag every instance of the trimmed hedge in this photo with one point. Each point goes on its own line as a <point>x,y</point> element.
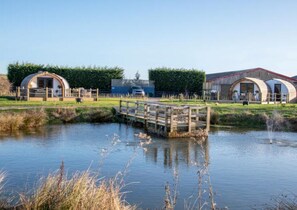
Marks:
<point>86,77</point>
<point>174,81</point>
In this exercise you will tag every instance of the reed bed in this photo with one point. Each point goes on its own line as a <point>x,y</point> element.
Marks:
<point>14,121</point>
<point>81,191</point>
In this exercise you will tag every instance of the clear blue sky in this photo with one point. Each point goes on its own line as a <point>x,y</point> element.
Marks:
<point>214,36</point>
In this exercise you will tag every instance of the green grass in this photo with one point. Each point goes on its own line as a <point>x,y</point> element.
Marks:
<point>103,102</point>
<point>251,116</point>
<point>289,110</point>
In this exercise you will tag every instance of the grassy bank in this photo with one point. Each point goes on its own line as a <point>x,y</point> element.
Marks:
<point>103,102</point>
<point>15,119</point>
<point>251,116</point>
<point>80,191</point>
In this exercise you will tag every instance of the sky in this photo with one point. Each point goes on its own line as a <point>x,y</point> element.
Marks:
<point>137,35</point>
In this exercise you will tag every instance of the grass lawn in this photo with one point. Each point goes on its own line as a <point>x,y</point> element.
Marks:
<point>287,110</point>
<point>103,102</point>
<point>230,114</point>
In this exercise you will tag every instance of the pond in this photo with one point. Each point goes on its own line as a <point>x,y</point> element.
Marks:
<point>245,170</point>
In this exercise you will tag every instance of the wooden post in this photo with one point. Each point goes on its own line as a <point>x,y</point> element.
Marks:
<point>189,119</point>
<point>275,98</point>
<point>97,94</point>
<point>127,111</point>
<point>287,98</point>
<point>46,94</point>
<point>218,95</point>
<point>197,117</point>
<point>145,113</point>
<point>156,118</point>
<point>208,119</point>
<point>28,94</point>
<point>120,107</point>
<point>171,119</point>
<point>136,110</point>
<point>78,92</point>
<point>166,119</point>
<point>63,92</point>
<point>18,93</point>
<point>148,110</point>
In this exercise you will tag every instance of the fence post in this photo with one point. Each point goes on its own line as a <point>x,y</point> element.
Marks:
<point>97,94</point>
<point>166,119</point>
<point>18,93</point>
<point>156,117</point>
<point>28,94</point>
<point>46,94</point>
<point>136,110</point>
<point>78,92</point>
<point>120,106</point>
<point>208,119</point>
<point>189,119</point>
<point>171,119</point>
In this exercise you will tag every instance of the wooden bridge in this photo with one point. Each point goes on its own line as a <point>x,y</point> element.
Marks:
<point>168,120</point>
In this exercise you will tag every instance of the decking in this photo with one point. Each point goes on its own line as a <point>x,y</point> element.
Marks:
<point>168,120</point>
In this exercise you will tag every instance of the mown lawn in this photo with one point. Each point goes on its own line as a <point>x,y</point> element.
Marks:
<point>103,102</point>
<point>287,110</point>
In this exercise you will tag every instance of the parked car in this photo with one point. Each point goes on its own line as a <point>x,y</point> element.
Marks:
<point>137,91</point>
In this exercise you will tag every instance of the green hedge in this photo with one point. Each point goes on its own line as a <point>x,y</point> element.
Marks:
<point>176,81</point>
<point>86,77</point>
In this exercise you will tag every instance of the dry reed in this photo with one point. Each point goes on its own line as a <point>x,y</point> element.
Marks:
<point>66,115</point>
<point>81,191</point>
<point>5,86</point>
<point>14,121</point>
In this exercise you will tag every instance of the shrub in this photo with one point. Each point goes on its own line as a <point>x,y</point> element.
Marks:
<point>100,115</point>
<point>86,77</point>
<point>177,80</point>
<point>66,115</point>
<point>214,117</point>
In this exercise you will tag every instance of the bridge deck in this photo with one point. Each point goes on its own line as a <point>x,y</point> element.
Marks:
<point>168,120</point>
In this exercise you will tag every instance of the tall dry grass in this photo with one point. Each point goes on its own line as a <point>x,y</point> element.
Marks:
<point>5,86</point>
<point>81,191</point>
<point>14,121</point>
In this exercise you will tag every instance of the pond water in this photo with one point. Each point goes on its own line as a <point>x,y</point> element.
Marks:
<point>245,170</point>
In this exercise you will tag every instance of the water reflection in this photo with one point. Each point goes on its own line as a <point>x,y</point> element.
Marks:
<point>40,133</point>
<point>178,151</point>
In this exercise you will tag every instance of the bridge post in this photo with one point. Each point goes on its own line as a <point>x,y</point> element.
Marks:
<point>208,119</point>
<point>189,119</point>
<point>171,119</point>
<point>166,119</point>
<point>156,118</point>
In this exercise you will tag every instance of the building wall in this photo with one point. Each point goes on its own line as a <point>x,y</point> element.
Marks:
<point>223,84</point>
<point>260,74</point>
<point>56,83</point>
